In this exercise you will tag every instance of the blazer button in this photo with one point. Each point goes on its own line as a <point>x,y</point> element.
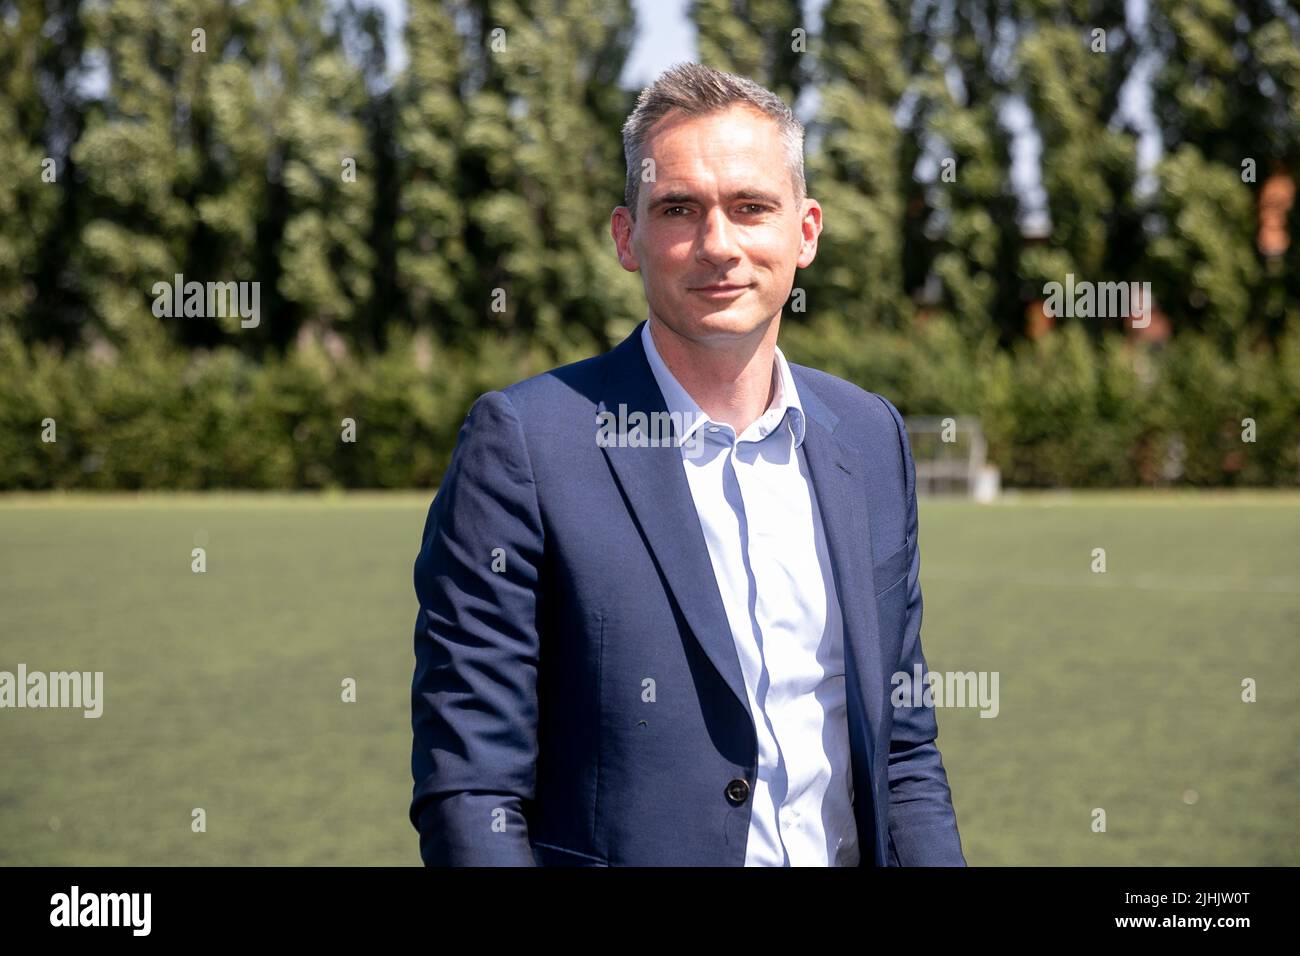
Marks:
<point>738,791</point>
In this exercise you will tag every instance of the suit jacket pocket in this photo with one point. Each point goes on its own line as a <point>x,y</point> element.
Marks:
<point>892,569</point>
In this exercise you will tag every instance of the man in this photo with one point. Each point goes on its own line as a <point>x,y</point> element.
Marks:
<point>663,590</point>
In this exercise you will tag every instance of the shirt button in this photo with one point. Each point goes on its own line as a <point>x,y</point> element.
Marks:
<point>713,428</point>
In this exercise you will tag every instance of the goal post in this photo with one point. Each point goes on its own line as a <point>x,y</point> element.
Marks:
<point>951,457</point>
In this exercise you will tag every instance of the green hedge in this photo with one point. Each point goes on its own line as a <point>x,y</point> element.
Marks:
<point>1065,411</point>
<point>153,417</point>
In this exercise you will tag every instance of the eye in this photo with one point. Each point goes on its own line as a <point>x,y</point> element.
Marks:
<point>756,207</point>
<point>668,209</point>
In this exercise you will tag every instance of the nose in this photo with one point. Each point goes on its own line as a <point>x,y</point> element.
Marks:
<point>717,241</point>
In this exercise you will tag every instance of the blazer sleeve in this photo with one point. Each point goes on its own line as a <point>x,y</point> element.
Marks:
<point>922,822</point>
<point>474,692</point>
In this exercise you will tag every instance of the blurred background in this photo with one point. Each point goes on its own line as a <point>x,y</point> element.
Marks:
<point>421,193</point>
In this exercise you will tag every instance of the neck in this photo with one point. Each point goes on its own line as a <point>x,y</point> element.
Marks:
<point>733,381</point>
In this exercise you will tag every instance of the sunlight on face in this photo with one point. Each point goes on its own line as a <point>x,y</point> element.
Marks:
<point>718,235</point>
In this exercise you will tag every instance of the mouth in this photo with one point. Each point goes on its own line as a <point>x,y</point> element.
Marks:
<point>721,290</point>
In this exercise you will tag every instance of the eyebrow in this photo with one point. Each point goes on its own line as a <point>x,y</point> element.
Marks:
<point>678,197</point>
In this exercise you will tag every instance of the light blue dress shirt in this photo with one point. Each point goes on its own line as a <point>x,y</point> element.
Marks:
<point>758,510</point>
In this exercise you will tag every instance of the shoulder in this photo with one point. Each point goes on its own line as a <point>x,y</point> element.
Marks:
<point>865,417</point>
<point>549,411</point>
<point>564,383</point>
<point>555,393</point>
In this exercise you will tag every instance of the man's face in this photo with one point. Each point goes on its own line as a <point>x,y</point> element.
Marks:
<point>717,235</point>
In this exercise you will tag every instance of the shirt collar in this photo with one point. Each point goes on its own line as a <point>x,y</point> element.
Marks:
<point>785,399</point>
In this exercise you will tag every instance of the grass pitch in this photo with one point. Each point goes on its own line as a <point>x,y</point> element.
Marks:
<point>1118,690</point>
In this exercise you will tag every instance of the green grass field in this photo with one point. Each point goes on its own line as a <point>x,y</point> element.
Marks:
<point>1119,690</point>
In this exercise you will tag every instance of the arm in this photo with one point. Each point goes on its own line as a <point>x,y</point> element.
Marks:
<point>922,823</point>
<point>474,692</point>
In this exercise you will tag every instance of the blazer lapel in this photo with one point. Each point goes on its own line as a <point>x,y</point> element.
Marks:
<point>654,482</point>
<point>841,490</point>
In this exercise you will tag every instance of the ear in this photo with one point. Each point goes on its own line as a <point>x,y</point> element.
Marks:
<point>621,227</point>
<point>810,225</point>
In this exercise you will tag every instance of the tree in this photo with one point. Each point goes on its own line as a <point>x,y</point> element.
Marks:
<point>763,40</point>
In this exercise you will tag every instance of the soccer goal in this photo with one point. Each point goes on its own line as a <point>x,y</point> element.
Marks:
<point>950,455</point>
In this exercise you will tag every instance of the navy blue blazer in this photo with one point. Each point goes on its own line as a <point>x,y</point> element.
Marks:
<point>557,574</point>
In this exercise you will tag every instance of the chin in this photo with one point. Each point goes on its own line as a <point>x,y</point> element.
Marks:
<point>723,322</point>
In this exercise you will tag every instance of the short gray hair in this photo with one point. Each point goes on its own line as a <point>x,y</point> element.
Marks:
<point>697,90</point>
